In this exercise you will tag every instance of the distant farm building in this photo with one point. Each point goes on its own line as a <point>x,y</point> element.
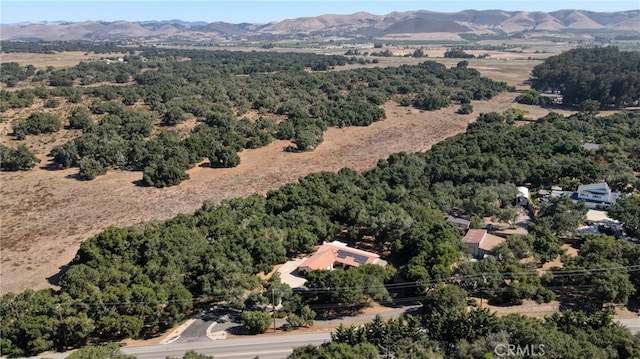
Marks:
<point>460,222</point>
<point>553,98</point>
<point>338,255</point>
<point>479,242</point>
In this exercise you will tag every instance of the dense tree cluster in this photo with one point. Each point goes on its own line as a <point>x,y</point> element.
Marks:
<point>449,330</point>
<point>52,47</point>
<point>12,72</point>
<point>604,74</point>
<point>399,337</point>
<point>458,54</point>
<point>136,281</point>
<point>561,216</point>
<point>177,85</point>
<point>615,280</point>
<point>353,287</point>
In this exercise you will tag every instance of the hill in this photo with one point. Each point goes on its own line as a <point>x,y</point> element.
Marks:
<point>358,25</point>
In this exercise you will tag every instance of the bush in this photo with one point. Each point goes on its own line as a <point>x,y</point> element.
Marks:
<point>164,173</point>
<point>531,97</point>
<point>465,109</point>
<point>305,319</point>
<point>589,106</point>
<point>52,103</point>
<point>431,100</point>
<point>80,118</point>
<point>90,168</point>
<point>16,159</point>
<point>256,322</point>
<point>37,123</point>
<point>515,114</point>
<point>544,295</point>
<point>308,138</point>
<point>225,157</point>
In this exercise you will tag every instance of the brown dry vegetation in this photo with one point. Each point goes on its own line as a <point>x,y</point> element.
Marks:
<point>45,214</point>
<point>60,59</point>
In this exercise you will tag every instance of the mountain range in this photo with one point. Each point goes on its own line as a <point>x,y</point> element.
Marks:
<point>358,25</point>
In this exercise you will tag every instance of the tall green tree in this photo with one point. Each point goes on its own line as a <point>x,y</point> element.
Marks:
<point>336,351</point>
<point>562,216</point>
<point>110,351</point>
<point>627,211</point>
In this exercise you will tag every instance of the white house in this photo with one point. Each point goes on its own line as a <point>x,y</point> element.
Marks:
<point>597,195</point>
<point>523,196</point>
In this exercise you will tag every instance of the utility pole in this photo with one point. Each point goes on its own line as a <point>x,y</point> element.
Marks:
<point>64,331</point>
<point>484,283</point>
<point>387,342</point>
<point>273,302</point>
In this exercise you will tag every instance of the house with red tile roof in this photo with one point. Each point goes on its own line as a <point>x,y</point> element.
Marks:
<point>479,242</point>
<point>338,255</point>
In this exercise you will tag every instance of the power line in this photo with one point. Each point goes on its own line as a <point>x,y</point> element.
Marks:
<point>395,286</point>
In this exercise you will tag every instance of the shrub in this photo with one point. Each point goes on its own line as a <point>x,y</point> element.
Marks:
<point>465,109</point>
<point>80,118</point>
<point>431,100</point>
<point>90,168</point>
<point>164,173</point>
<point>256,322</point>
<point>531,97</point>
<point>37,123</point>
<point>16,159</point>
<point>52,103</point>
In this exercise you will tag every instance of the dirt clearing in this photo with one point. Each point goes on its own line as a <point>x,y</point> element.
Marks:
<point>45,215</point>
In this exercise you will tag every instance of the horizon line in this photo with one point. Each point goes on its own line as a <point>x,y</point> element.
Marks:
<point>58,22</point>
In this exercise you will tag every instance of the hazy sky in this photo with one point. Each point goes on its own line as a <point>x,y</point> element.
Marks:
<point>263,11</point>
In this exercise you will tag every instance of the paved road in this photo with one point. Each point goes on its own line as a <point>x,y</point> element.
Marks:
<point>632,324</point>
<point>276,346</point>
<point>197,331</point>
<point>267,347</point>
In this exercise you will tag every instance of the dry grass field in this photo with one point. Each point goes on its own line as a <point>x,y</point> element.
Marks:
<point>45,214</point>
<point>61,59</point>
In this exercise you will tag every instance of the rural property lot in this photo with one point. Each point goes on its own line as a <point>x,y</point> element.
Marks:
<point>45,215</point>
